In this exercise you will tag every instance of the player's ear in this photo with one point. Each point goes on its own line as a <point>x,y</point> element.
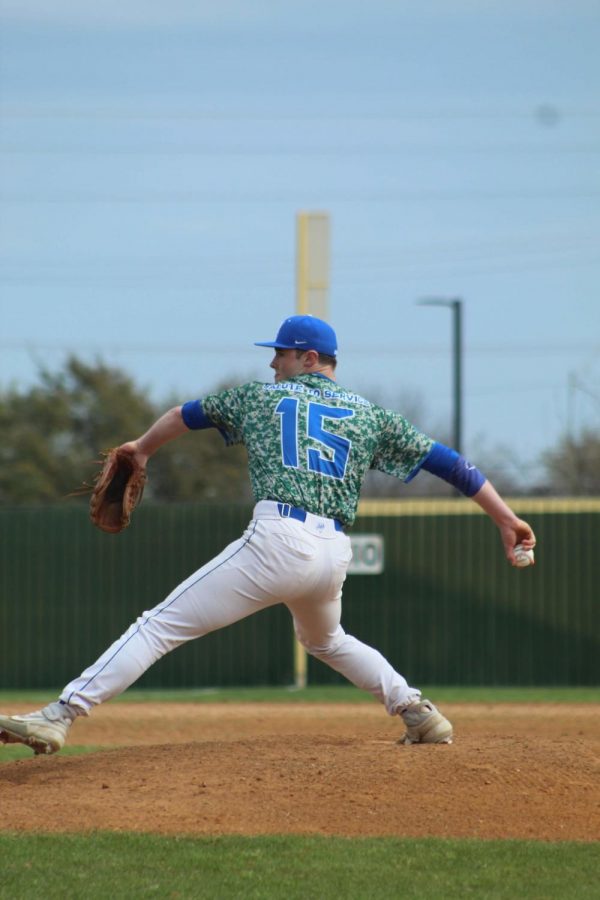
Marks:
<point>311,358</point>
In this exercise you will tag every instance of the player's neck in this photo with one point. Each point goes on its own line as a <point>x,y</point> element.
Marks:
<point>326,371</point>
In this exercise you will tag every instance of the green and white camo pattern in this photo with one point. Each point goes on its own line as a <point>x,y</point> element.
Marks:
<point>379,439</point>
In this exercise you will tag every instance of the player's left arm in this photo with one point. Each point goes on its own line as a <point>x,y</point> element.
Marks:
<point>180,419</point>
<point>168,427</point>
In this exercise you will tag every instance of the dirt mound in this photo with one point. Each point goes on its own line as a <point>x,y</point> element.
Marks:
<point>513,772</point>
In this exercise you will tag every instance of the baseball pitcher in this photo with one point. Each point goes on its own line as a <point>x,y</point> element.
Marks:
<point>310,443</point>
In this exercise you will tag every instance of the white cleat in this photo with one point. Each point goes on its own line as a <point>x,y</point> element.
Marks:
<point>45,731</point>
<point>425,724</point>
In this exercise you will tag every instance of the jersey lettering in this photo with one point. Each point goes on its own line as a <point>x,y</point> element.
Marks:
<point>288,410</point>
<point>332,457</point>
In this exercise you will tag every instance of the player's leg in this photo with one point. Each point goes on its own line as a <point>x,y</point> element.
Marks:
<point>317,622</point>
<point>225,590</point>
<point>317,626</point>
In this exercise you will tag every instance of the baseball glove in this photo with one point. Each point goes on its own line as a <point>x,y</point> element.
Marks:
<point>117,490</point>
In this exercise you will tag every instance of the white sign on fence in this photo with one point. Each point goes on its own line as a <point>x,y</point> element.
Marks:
<point>367,554</point>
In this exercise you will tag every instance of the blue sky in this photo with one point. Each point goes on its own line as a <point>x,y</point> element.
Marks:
<point>154,157</point>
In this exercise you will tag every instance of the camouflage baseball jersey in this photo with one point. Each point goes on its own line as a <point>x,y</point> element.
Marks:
<point>311,442</point>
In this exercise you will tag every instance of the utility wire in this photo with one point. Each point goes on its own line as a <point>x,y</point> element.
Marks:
<point>499,349</point>
<point>134,113</point>
<point>341,150</point>
<point>302,195</point>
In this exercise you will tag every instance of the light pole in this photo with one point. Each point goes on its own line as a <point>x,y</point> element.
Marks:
<point>455,304</point>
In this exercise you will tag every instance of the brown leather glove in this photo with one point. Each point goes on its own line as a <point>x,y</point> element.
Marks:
<point>118,489</point>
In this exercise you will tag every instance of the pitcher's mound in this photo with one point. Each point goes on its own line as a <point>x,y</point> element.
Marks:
<point>513,772</point>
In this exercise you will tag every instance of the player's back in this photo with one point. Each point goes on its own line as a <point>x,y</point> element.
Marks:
<point>310,441</point>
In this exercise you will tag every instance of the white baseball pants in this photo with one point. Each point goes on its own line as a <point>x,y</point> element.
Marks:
<point>277,560</point>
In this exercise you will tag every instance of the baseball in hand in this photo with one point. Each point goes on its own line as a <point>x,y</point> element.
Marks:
<point>523,557</point>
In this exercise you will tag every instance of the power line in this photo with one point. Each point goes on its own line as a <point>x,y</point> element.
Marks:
<point>304,195</point>
<point>386,149</point>
<point>501,349</point>
<point>196,280</point>
<point>331,115</point>
<point>390,257</point>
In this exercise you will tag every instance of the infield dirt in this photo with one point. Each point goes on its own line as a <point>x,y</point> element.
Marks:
<point>514,771</point>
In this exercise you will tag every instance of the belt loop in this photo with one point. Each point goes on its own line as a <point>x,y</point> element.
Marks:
<point>285,510</point>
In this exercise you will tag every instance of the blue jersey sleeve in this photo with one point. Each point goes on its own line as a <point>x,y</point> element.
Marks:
<point>215,411</point>
<point>194,416</point>
<point>449,465</point>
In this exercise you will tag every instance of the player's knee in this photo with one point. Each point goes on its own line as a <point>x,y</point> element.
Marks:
<point>324,646</point>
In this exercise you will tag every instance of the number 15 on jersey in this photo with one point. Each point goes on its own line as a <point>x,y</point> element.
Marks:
<point>331,457</point>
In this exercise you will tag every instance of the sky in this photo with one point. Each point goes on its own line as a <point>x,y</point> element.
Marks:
<point>154,157</point>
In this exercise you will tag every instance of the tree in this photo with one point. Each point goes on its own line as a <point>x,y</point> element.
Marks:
<point>573,466</point>
<point>53,434</point>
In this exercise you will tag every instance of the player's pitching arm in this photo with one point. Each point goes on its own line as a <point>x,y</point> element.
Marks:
<point>513,531</point>
<point>452,467</point>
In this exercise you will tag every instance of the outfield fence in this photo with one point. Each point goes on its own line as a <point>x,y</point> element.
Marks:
<point>440,601</point>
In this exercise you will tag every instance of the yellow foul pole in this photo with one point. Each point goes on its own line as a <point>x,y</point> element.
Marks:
<point>312,299</point>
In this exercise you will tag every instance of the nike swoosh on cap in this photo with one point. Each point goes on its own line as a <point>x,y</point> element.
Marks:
<point>300,342</point>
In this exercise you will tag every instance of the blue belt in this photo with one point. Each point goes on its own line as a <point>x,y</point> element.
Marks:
<point>294,512</point>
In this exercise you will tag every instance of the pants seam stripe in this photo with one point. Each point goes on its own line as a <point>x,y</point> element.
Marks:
<point>161,609</point>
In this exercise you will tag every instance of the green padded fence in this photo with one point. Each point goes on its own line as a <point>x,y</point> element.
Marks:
<point>447,608</point>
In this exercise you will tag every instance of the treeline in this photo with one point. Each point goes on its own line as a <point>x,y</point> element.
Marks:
<point>53,435</point>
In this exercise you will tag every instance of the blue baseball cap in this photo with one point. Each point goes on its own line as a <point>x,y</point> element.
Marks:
<point>304,333</point>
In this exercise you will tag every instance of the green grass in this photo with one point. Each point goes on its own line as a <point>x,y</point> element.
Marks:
<point>10,752</point>
<point>114,866</point>
<point>122,865</point>
<point>327,694</point>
